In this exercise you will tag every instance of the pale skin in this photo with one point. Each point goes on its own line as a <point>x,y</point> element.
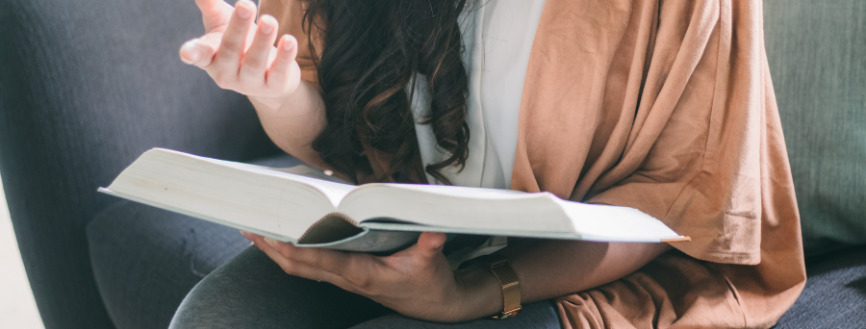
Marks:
<point>240,55</point>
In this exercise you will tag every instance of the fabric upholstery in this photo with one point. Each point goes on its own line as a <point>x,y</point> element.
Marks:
<point>146,259</point>
<point>815,50</point>
<point>85,87</point>
<point>835,294</point>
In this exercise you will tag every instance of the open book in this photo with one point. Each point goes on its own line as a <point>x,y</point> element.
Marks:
<point>310,211</point>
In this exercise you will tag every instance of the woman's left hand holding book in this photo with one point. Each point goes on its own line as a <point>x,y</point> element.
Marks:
<point>416,282</point>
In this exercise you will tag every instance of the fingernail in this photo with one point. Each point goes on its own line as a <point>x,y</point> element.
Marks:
<point>245,234</point>
<point>244,10</point>
<point>189,52</point>
<point>271,242</point>
<point>267,28</point>
<point>267,23</point>
<point>287,44</point>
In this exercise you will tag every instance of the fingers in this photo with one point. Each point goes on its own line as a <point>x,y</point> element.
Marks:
<point>256,60</point>
<point>297,268</point>
<point>332,261</point>
<point>234,39</point>
<point>311,263</point>
<point>283,68</point>
<point>353,272</point>
<point>217,16</point>
<point>240,55</point>
<point>413,268</point>
<point>214,13</point>
<point>429,245</point>
<point>199,52</point>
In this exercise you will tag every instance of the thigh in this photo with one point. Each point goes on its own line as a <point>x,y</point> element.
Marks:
<point>540,315</point>
<point>251,291</point>
<point>145,260</point>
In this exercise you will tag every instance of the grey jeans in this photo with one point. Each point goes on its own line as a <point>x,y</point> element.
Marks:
<point>251,291</point>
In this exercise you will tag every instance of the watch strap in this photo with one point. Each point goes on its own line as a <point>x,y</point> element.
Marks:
<point>510,285</point>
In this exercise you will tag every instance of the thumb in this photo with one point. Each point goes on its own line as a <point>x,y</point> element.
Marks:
<point>214,13</point>
<point>429,245</point>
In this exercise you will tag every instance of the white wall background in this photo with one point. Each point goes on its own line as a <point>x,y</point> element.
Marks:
<point>17,307</point>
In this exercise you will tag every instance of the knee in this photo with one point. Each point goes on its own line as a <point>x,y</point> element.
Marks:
<point>204,307</point>
<point>145,260</point>
<point>221,299</point>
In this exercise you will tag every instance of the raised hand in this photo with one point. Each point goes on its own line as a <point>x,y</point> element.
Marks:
<point>240,55</point>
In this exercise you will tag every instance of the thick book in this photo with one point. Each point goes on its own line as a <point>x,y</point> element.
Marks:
<point>310,211</point>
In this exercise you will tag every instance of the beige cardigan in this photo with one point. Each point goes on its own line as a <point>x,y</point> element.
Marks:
<point>666,107</point>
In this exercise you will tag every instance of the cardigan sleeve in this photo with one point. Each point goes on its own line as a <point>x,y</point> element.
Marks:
<point>669,110</point>
<point>667,107</point>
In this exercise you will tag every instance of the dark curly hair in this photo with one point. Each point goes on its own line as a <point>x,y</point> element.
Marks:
<point>371,51</point>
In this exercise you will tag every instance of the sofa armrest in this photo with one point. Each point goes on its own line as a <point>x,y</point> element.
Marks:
<point>86,87</point>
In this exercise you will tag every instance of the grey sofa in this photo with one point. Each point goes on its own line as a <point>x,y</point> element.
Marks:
<point>86,86</point>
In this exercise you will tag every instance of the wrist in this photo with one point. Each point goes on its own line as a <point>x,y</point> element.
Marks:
<point>271,104</point>
<point>482,293</point>
<point>292,101</point>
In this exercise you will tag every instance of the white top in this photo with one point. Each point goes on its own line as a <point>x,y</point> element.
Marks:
<point>496,68</point>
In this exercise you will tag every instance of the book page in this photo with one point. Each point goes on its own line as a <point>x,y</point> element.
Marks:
<point>243,196</point>
<point>335,192</point>
<point>597,222</point>
<point>459,209</point>
<point>470,210</point>
<point>456,191</point>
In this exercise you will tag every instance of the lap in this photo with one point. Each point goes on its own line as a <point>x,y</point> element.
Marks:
<point>252,291</point>
<point>538,315</point>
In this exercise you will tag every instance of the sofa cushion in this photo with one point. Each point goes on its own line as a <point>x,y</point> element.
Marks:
<point>146,259</point>
<point>835,293</point>
<point>815,50</point>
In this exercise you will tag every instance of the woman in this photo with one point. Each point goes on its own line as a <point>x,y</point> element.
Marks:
<point>667,108</point>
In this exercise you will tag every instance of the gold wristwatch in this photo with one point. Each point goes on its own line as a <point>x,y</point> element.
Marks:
<point>510,284</point>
